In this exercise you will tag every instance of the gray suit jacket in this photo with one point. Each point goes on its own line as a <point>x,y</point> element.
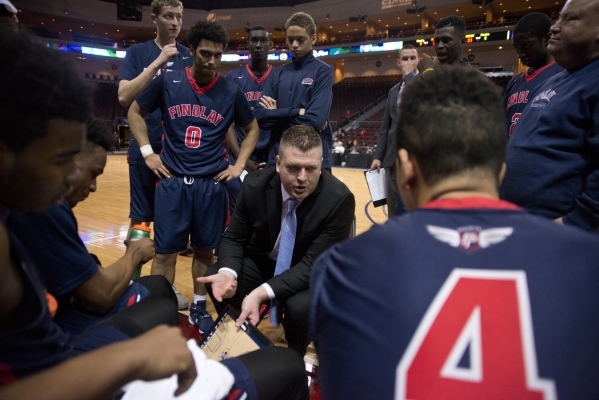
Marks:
<point>386,147</point>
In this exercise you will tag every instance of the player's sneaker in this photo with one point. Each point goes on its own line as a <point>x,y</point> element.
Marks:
<point>199,317</point>
<point>182,302</point>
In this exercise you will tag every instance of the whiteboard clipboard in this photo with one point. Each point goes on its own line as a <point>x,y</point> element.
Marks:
<point>376,186</point>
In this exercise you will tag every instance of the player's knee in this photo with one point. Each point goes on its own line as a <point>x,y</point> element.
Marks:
<point>158,286</point>
<point>205,256</point>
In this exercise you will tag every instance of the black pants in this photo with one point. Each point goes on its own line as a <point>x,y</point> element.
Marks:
<point>277,373</point>
<point>159,308</point>
<point>295,308</point>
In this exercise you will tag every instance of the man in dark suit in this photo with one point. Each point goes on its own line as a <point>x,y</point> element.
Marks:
<point>255,242</point>
<point>385,148</point>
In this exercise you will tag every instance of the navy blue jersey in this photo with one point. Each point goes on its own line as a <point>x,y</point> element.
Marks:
<point>553,154</point>
<point>196,120</point>
<point>463,299</point>
<point>55,246</point>
<point>522,87</point>
<point>138,58</point>
<point>252,86</point>
<point>29,340</point>
<point>307,84</point>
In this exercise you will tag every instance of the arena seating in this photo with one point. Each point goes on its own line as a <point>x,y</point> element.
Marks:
<point>106,103</point>
<point>354,94</point>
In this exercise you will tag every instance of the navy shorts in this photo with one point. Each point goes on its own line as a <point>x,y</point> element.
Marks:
<point>95,337</point>
<point>74,319</point>
<point>189,206</point>
<point>142,187</point>
<point>243,386</point>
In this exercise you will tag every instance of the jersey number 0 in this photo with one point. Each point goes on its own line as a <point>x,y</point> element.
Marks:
<point>193,134</point>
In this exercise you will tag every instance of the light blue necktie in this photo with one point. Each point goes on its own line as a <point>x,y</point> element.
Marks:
<point>285,252</point>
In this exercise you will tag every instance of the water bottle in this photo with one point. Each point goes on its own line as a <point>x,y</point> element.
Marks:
<point>137,233</point>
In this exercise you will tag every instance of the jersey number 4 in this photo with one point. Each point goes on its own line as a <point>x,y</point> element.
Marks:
<point>193,134</point>
<point>475,342</point>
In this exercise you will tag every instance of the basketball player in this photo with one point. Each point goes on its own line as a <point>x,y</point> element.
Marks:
<point>252,79</point>
<point>466,296</point>
<point>143,62</point>
<point>300,92</point>
<point>531,34</point>
<point>450,36</point>
<point>198,106</point>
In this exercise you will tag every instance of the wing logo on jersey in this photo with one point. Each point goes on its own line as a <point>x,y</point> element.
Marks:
<point>469,238</point>
<point>543,98</point>
<point>307,81</point>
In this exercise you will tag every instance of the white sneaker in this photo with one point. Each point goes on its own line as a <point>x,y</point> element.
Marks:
<point>182,303</point>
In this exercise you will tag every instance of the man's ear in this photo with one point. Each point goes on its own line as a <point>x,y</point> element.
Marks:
<point>314,39</point>
<point>501,174</point>
<point>406,171</point>
<point>278,163</point>
<point>153,17</point>
<point>192,50</point>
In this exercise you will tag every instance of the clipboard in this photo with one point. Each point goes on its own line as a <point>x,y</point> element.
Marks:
<point>376,183</point>
<point>224,340</point>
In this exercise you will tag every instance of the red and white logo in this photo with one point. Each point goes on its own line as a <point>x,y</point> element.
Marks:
<point>307,81</point>
<point>475,341</point>
<point>469,238</point>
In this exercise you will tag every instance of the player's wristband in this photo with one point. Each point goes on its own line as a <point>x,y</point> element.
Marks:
<point>146,150</point>
<point>427,70</point>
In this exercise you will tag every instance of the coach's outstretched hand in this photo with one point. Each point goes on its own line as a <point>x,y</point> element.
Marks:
<point>154,162</point>
<point>224,285</point>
